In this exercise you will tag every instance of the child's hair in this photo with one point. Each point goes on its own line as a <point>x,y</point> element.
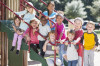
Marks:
<point>16,18</point>
<point>51,2</point>
<point>91,22</point>
<point>43,17</point>
<point>60,13</point>
<point>51,32</point>
<point>78,18</point>
<point>35,19</point>
<point>33,10</point>
<point>71,32</point>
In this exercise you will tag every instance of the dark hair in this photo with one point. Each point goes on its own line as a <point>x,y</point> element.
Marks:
<point>43,17</point>
<point>16,18</point>
<point>50,2</point>
<point>71,32</point>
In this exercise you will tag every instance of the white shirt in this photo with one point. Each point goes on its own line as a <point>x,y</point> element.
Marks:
<point>43,30</point>
<point>72,52</point>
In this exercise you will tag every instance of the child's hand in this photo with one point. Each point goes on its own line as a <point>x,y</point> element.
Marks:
<point>39,11</point>
<point>73,43</point>
<point>23,21</point>
<point>28,38</point>
<point>61,41</point>
<point>66,43</point>
<point>94,48</point>
<point>47,17</point>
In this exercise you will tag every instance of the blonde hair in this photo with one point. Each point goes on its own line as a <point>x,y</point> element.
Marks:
<point>78,18</point>
<point>35,19</point>
<point>33,10</point>
<point>91,22</point>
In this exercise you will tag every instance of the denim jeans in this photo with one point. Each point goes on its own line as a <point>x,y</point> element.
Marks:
<point>61,52</point>
<point>72,63</point>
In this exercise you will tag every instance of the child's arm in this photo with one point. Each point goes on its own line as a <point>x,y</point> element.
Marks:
<point>40,14</point>
<point>50,24</point>
<point>14,28</point>
<point>21,12</point>
<point>96,42</point>
<point>44,47</point>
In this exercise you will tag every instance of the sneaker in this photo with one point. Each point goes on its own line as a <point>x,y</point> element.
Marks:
<point>12,49</point>
<point>17,52</point>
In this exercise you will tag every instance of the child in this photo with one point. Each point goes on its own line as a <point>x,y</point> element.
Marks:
<point>50,12</point>
<point>16,28</point>
<point>44,29</point>
<point>90,43</point>
<point>31,34</point>
<point>49,51</point>
<point>72,55</point>
<point>78,34</point>
<point>28,15</point>
<point>60,32</point>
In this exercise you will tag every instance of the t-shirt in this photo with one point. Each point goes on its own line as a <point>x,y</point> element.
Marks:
<point>51,15</point>
<point>49,50</point>
<point>89,40</point>
<point>43,30</point>
<point>17,27</point>
<point>27,18</point>
<point>60,29</point>
<point>72,52</point>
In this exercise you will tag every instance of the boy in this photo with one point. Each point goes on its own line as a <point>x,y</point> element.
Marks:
<point>90,43</point>
<point>49,50</point>
<point>71,53</point>
<point>44,29</point>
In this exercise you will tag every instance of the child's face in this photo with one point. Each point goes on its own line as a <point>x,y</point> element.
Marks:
<point>52,36</point>
<point>43,21</point>
<point>59,19</point>
<point>90,27</point>
<point>34,24</point>
<point>17,21</point>
<point>50,7</point>
<point>78,24</point>
<point>70,37</point>
<point>29,9</point>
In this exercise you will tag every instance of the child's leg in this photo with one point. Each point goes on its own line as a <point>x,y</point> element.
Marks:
<point>91,58</point>
<point>61,52</point>
<point>20,37</point>
<point>74,63</point>
<point>41,43</point>
<point>34,47</point>
<point>79,61</point>
<point>69,63</point>
<point>50,62</point>
<point>14,39</point>
<point>86,58</point>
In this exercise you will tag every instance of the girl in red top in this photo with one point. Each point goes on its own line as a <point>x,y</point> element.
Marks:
<point>31,34</point>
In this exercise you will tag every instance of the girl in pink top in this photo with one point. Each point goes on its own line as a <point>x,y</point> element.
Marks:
<point>60,33</point>
<point>31,34</point>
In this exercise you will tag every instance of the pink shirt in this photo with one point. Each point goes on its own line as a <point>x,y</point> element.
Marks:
<point>34,38</point>
<point>60,29</point>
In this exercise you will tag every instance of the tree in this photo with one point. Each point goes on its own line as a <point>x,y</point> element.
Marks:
<point>95,10</point>
<point>75,9</point>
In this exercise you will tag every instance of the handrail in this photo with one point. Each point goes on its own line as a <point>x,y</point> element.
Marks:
<point>56,11</point>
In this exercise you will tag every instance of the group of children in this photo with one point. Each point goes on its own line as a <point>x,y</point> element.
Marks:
<point>31,29</point>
